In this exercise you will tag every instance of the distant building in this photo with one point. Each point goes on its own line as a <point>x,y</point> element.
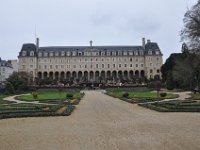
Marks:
<point>90,63</point>
<point>6,70</point>
<point>14,65</point>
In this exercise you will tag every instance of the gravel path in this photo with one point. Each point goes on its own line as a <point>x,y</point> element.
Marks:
<point>101,122</point>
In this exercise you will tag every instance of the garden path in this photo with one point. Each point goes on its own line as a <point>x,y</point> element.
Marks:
<point>101,122</point>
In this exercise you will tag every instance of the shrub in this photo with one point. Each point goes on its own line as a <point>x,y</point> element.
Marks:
<point>35,95</point>
<point>163,94</point>
<point>126,94</point>
<point>69,95</point>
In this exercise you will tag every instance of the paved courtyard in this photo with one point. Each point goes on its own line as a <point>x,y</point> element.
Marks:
<point>101,122</point>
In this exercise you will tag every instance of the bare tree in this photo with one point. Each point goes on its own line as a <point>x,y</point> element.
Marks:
<point>191,30</point>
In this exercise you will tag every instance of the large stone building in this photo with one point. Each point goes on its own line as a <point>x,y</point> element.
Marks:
<point>6,69</point>
<point>91,63</point>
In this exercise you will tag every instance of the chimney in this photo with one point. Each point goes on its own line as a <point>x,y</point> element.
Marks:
<point>148,41</point>
<point>37,42</point>
<point>91,43</point>
<point>143,42</point>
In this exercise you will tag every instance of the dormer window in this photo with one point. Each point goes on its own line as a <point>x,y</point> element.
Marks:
<point>68,53</point>
<point>125,53</point>
<point>57,54</point>
<point>40,54</point>
<point>24,53</point>
<point>51,54</point>
<point>157,52</point>
<point>130,53</point>
<point>32,53</point>
<point>45,54</point>
<point>141,53</point>
<point>62,53</point>
<point>150,52</point>
<point>136,53</point>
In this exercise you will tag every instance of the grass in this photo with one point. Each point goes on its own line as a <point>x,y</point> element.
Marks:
<point>50,95</point>
<point>195,96</point>
<point>118,93</point>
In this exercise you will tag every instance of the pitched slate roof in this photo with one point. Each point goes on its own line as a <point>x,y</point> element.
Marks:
<point>82,48</point>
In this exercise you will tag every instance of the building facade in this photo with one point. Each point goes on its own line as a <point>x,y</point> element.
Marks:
<point>91,63</point>
<point>6,69</point>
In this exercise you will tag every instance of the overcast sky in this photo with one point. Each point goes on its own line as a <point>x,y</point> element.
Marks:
<point>76,22</point>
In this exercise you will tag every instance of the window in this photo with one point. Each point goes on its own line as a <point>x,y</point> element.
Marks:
<point>24,53</point>
<point>136,65</point>
<point>45,54</point>
<point>108,65</point>
<point>131,59</point>
<point>102,65</point>
<point>130,53</point>
<point>157,52</point>
<point>108,53</point>
<point>68,53</point>
<point>114,65</point>
<point>40,54</point>
<point>45,66</point>
<point>31,66</point>
<point>150,52</point>
<point>151,71</point>
<point>62,53</point>
<point>74,66</point>
<point>56,66</point>
<point>51,67</point>
<point>131,65</point>
<point>125,65</point>
<point>62,66</point>
<point>141,53</point>
<point>157,58</point>
<point>97,66</point>
<point>32,53</point>
<point>51,54</point>
<point>85,66</point>
<point>136,53</point>
<point>142,65</point>
<point>57,54</point>
<point>125,54</point>
<point>73,53</point>
<point>158,71</point>
<point>120,65</point>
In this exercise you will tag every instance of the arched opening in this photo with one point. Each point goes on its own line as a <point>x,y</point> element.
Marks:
<point>114,75</point>
<point>137,73</point>
<point>103,75</point>
<point>125,75</point>
<point>40,75</point>
<point>85,76</point>
<point>74,74</point>
<point>120,75</point>
<point>68,75</point>
<point>108,75</point>
<point>97,76</point>
<point>131,74</point>
<point>142,73</point>
<point>45,74</point>
<point>62,76</point>
<point>91,76</point>
<point>80,75</point>
<point>51,75</point>
<point>57,75</point>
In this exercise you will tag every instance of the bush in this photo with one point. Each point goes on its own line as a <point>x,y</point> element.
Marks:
<point>163,94</point>
<point>126,94</point>
<point>35,95</point>
<point>69,95</point>
<point>9,88</point>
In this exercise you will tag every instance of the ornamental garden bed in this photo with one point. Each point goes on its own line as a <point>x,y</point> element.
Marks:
<point>60,107</point>
<point>139,96</point>
<point>174,106</point>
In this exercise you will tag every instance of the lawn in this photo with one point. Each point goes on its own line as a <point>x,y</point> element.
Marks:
<point>118,93</point>
<point>50,95</point>
<point>195,96</point>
